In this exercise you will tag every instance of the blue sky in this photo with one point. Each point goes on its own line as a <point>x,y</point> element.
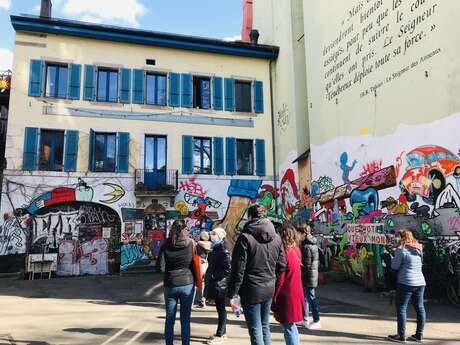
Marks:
<point>207,18</point>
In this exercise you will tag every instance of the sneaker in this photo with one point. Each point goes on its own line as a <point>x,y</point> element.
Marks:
<point>416,338</point>
<point>314,325</point>
<point>303,324</point>
<point>397,338</point>
<point>216,340</point>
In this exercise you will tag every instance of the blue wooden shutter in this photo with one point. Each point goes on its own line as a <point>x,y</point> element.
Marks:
<point>258,97</point>
<point>71,151</point>
<point>218,156</point>
<point>125,85</point>
<point>217,93</point>
<point>187,87</point>
<point>138,86</point>
<point>123,152</point>
<point>92,138</point>
<point>187,154</point>
<point>90,81</point>
<point>260,157</point>
<point>230,148</point>
<point>35,78</point>
<point>229,94</point>
<point>174,89</point>
<point>29,158</point>
<point>73,90</point>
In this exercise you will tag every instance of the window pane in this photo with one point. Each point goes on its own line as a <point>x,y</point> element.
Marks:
<point>149,153</point>
<point>161,153</point>
<point>51,81</point>
<point>245,157</point>
<point>62,83</point>
<point>110,152</point>
<point>205,94</point>
<point>243,96</point>
<point>206,156</point>
<point>99,153</point>
<point>150,89</point>
<point>113,86</point>
<point>51,150</point>
<point>161,90</point>
<point>196,156</point>
<point>102,86</point>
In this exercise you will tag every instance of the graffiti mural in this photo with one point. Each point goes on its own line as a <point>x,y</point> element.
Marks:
<point>66,219</point>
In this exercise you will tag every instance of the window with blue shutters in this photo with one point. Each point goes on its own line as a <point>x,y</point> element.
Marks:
<point>123,152</point>
<point>155,92</point>
<point>73,91</point>
<point>71,151</point>
<point>202,155</point>
<point>57,79</point>
<point>35,78</point>
<point>243,96</point>
<point>218,156</point>
<point>138,86</point>
<point>174,89</point>
<point>229,89</point>
<point>29,159</point>
<point>187,154</point>
<point>260,157</point>
<point>258,97</point>
<point>51,157</point>
<point>89,91</point>
<point>230,149</point>
<point>245,157</point>
<point>217,92</point>
<point>125,85</point>
<point>187,87</point>
<point>107,85</point>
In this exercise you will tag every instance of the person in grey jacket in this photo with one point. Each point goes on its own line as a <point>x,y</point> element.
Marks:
<point>310,266</point>
<point>408,262</point>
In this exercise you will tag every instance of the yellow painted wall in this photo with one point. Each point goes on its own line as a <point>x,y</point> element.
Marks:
<point>28,111</point>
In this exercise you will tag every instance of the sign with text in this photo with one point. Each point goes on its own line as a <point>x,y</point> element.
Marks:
<point>366,233</point>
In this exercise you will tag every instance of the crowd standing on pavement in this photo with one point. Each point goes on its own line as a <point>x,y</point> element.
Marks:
<point>268,270</point>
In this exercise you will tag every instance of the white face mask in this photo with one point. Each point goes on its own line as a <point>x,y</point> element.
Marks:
<point>215,239</point>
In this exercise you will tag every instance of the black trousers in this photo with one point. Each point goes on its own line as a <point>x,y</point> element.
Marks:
<point>222,312</point>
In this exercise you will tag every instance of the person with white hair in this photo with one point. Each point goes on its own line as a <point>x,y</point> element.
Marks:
<point>216,280</point>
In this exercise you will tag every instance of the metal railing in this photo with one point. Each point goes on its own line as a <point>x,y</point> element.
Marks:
<point>156,181</point>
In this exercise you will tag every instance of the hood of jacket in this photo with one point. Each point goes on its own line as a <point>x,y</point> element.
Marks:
<point>261,229</point>
<point>310,239</point>
<point>181,243</point>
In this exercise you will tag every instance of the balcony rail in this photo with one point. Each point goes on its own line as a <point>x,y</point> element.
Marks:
<point>156,181</point>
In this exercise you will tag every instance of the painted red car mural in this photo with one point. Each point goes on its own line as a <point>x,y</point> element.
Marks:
<point>428,167</point>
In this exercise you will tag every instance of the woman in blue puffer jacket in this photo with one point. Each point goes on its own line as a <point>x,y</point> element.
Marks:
<point>408,262</point>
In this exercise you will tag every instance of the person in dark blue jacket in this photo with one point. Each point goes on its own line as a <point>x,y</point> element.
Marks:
<point>216,279</point>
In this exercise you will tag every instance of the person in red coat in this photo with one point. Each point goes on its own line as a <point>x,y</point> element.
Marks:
<point>288,301</point>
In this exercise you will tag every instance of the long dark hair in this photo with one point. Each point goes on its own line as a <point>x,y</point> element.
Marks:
<point>289,236</point>
<point>177,231</point>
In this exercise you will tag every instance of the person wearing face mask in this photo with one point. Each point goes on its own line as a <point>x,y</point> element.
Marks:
<point>216,279</point>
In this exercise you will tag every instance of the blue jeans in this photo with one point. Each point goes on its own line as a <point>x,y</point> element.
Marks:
<point>405,293</point>
<point>258,323</point>
<point>184,294</point>
<point>291,334</point>
<point>311,303</point>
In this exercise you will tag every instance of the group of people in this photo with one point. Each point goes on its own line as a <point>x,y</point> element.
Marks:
<point>268,270</point>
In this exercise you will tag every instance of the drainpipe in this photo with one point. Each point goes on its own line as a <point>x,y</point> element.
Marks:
<point>275,167</point>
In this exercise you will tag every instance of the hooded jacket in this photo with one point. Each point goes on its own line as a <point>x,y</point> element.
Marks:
<point>218,272</point>
<point>257,258</point>
<point>176,262</point>
<point>408,261</point>
<point>310,262</point>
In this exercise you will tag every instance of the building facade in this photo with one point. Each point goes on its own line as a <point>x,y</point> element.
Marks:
<point>114,133</point>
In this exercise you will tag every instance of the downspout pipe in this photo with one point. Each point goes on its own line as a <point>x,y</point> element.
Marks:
<point>275,165</point>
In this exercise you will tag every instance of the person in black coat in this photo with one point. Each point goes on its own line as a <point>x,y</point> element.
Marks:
<point>310,267</point>
<point>216,279</point>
